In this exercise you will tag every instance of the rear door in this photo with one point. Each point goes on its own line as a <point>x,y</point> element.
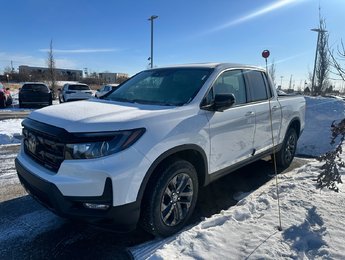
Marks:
<point>231,131</point>
<point>262,100</point>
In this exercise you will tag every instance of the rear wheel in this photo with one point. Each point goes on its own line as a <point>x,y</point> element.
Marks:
<point>170,199</point>
<point>286,154</point>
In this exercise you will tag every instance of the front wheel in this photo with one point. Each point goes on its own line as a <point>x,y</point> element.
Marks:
<point>170,199</point>
<point>286,154</point>
<point>2,103</point>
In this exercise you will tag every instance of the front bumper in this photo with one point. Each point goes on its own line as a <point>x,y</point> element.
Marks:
<point>123,218</point>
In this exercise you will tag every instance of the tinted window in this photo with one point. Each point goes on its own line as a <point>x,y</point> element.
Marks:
<point>257,85</point>
<point>35,87</point>
<point>78,87</point>
<point>232,82</point>
<point>168,86</point>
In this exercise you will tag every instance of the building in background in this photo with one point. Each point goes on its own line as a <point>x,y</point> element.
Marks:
<point>108,77</point>
<point>40,73</point>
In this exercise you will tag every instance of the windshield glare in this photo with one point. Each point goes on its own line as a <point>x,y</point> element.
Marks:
<point>170,87</point>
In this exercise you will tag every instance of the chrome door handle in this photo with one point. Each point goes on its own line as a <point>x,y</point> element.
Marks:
<point>274,108</point>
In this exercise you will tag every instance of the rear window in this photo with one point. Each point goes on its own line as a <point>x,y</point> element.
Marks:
<point>78,87</point>
<point>257,85</point>
<point>35,87</point>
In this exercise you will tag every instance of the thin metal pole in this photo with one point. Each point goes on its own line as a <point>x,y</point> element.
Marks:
<point>151,19</point>
<point>151,42</point>
<point>275,166</point>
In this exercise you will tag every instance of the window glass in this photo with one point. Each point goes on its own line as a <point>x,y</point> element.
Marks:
<point>78,87</point>
<point>35,87</point>
<point>257,85</point>
<point>231,82</point>
<point>168,86</point>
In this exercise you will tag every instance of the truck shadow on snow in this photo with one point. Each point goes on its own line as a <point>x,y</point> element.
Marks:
<point>29,231</point>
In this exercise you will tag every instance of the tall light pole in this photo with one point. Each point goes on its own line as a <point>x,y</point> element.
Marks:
<point>319,31</point>
<point>151,19</point>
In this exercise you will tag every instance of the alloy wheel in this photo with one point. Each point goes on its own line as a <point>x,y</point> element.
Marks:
<point>177,199</point>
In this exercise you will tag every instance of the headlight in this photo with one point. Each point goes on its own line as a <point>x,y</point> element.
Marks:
<point>113,143</point>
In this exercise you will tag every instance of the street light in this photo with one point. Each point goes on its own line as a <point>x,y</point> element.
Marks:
<point>151,19</point>
<point>319,31</point>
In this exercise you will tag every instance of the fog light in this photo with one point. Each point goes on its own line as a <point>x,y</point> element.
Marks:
<point>95,206</point>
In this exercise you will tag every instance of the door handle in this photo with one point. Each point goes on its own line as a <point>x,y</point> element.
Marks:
<point>250,113</point>
<point>274,108</point>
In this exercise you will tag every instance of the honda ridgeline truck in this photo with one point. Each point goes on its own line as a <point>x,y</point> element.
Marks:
<point>140,154</point>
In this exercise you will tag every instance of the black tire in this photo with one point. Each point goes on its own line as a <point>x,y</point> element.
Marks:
<point>60,101</point>
<point>170,199</point>
<point>2,103</point>
<point>286,154</point>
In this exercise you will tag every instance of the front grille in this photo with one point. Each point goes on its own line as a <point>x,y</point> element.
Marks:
<point>43,149</point>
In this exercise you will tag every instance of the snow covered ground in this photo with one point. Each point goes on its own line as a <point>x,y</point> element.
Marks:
<point>312,220</point>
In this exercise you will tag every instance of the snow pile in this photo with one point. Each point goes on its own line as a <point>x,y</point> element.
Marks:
<point>320,113</point>
<point>10,131</point>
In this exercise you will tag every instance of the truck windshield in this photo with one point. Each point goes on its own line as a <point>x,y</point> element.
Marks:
<point>167,86</point>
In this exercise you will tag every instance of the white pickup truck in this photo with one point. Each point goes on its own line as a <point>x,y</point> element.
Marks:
<point>141,153</point>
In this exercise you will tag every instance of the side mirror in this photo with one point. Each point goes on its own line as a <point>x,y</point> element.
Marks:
<point>223,102</point>
<point>98,90</point>
<point>59,89</point>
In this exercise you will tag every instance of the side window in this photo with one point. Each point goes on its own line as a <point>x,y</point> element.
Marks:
<point>231,82</point>
<point>257,85</point>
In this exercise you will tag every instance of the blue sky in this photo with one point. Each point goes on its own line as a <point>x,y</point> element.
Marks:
<point>114,36</point>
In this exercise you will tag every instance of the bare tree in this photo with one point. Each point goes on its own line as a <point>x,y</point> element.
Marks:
<point>323,62</point>
<point>272,72</point>
<point>336,60</point>
<point>7,70</point>
<point>51,67</point>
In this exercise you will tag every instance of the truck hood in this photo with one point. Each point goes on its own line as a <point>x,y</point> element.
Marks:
<point>99,115</point>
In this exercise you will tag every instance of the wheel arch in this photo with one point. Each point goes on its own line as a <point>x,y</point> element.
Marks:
<point>295,123</point>
<point>189,152</point>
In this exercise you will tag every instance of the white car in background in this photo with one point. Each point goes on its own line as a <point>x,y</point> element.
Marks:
<point>74,91</point>
<point>105,89</point>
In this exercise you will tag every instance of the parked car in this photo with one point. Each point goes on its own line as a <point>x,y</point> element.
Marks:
<point>141,154</point>
<point>5,96</point>
<point>105,89</point>
<point>74,91</point>
<point>34,94</point>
